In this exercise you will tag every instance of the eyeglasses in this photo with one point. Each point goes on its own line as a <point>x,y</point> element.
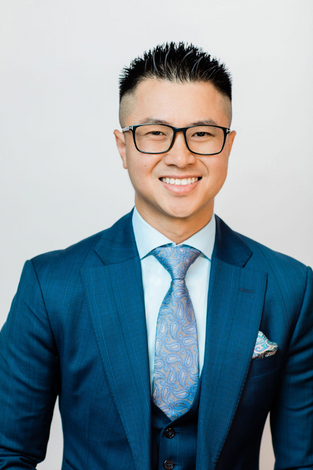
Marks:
<point>159,138</point>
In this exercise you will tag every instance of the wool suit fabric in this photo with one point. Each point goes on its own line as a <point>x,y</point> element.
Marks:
<point>77,330</point>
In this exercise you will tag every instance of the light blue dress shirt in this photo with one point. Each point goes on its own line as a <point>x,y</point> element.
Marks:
<point>156,280</point>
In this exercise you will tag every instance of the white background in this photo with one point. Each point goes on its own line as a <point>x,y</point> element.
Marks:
<point>61,176</point>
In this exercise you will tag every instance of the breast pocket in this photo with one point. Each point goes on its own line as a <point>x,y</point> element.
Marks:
<point>67,466</point>
<point>264,365</point>
<point>262,382</point>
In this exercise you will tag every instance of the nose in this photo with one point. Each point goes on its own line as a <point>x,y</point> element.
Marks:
<point>179,154</point>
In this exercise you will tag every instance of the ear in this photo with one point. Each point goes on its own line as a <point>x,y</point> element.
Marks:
<point>231,138</point>
<point>121,146</point>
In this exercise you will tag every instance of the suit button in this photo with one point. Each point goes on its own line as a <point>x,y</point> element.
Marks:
<point>168,464</point>
<point>170,433</point>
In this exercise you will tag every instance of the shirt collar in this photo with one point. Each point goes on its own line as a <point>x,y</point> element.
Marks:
<point>147,238</point>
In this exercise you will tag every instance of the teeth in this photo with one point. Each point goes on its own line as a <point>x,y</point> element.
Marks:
<point>179,182</point>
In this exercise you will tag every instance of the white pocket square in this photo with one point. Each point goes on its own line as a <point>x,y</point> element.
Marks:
<point>263,347</point>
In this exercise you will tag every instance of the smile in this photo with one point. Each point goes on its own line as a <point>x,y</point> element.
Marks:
<point>179,182</point>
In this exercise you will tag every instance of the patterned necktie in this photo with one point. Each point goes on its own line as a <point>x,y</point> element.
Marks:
<point>176,363</point>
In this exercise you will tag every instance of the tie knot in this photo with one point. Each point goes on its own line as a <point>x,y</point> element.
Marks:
<point>176,259</point>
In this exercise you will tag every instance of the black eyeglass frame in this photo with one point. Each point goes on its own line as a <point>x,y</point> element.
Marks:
<point>226,131</point>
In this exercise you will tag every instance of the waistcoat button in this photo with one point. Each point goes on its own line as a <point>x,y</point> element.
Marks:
<point>168,464</point>
<point>169,433</point>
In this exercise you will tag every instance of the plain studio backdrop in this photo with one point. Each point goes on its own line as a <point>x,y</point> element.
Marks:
<point>61,175</point>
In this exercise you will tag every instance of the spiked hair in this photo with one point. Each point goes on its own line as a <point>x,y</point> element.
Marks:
<point>176,63</point>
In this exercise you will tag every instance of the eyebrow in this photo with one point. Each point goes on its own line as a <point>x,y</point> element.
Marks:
<point>204,122</point>
<point>151,120</point>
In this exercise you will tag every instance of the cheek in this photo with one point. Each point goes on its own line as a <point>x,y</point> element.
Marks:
<point>223,168</point>
<point>222,174</point>
<point>138,173</point>
<point>132,164</point>
<point>141,170</point>
<point>217,168</point>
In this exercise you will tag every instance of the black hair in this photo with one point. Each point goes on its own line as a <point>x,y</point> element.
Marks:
<point>176,62</point>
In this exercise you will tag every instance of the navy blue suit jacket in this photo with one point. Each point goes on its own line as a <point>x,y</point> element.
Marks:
<point>77,329</point>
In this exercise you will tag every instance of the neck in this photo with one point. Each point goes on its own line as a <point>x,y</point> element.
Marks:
<point>177,229</point>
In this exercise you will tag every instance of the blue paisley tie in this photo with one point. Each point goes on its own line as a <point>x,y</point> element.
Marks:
<point>176,364</point>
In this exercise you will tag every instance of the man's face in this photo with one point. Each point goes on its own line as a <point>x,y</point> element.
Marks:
<point>180,105</point>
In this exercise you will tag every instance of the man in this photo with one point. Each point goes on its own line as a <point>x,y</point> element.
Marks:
<point>168,337</point>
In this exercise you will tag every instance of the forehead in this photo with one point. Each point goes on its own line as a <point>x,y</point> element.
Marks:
<point>178,103</point>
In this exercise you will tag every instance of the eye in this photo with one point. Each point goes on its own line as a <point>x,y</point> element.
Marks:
<point>156,133</point>
<point>201,134</point>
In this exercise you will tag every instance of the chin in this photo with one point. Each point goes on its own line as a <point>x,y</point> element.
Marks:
<point>180,213</point>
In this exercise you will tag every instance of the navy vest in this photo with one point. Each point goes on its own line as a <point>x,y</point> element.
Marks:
<point>174,443</point>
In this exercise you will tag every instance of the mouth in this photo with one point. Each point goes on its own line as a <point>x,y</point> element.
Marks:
<point>180,181</point>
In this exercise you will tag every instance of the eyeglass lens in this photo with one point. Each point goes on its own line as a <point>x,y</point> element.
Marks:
<point>157,138</point>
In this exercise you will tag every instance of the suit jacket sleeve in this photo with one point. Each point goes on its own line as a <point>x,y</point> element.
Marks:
<point>29,377</point>
<point>292,414</point>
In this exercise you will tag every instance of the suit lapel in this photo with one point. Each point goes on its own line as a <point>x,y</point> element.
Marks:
<point>235,305</point>
<point>116,305</point>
